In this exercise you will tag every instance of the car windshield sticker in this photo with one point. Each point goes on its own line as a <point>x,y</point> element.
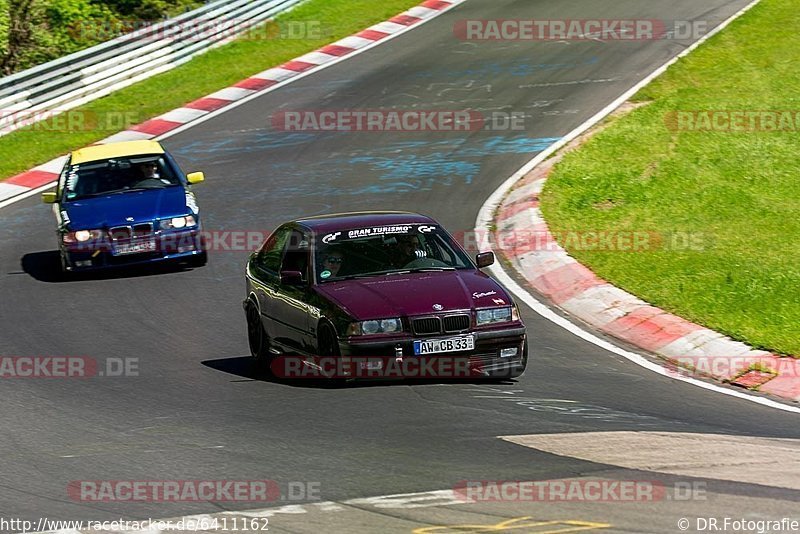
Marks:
<point>191,202</point>
<point>387,230</point>
<point>325,274</point>
<point>331,237</point>
<point>72,181</point>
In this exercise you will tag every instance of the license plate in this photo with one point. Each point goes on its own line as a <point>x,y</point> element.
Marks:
<point>135,248</point>
<point>451,344</point>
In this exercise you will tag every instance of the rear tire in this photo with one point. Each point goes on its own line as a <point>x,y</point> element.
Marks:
<point>258,340</point>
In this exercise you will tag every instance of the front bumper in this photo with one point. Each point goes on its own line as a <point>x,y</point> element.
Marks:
<point>104,254</point>
<point>486,360</point>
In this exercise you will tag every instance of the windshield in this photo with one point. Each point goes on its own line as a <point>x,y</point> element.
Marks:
<point>118,175</point>
<point>386,250</point>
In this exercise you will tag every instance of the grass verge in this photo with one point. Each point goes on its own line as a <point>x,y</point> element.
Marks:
<point>735,195</point>
<point>214,70</point>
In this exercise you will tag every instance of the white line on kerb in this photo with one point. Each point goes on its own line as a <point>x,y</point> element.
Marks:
<point>485,216</point>
<point>237,103</point>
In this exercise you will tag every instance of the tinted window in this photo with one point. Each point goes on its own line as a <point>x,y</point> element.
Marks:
<point>387,250</point>
<point>297,254</point>
<point>269,258</point>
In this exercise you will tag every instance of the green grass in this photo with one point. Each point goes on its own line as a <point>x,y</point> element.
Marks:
<point>217,69</point>
<point>737,193</point>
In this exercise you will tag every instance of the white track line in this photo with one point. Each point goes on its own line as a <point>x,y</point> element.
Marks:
<point>485,219</point>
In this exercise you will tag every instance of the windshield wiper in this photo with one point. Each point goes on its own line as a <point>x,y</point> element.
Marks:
<point>112,192</point>
<point>348,277</point>
<point>430,269</point>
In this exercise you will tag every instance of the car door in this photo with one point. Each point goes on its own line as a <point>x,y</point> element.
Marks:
<point>293,308</point>
<point>265,279</point>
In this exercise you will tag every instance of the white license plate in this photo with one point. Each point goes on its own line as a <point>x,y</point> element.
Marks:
<point>135,248</point>
<point>451,344</point>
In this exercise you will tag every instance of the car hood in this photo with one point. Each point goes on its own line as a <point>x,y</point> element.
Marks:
<point>415,294</point>
<point>119,209</point>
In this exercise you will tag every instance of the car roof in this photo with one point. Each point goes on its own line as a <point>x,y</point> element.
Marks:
<point>116,150</point>
<point>362,219</point>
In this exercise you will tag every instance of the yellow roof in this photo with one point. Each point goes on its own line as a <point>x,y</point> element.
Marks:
<point>116,150</point>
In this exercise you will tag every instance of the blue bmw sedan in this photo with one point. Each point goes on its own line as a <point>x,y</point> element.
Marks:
<point>125,203</point>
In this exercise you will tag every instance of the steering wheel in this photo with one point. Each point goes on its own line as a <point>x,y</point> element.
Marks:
<point>148,182</point>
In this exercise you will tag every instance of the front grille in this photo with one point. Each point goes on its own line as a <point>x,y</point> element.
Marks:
<point>456,323</point>
<point>143,230</point>
<point>427,325</point>
<point>124,233</point>
<point>120,233</point>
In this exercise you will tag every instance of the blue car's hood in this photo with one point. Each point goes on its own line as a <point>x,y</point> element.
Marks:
<point>118,209</point>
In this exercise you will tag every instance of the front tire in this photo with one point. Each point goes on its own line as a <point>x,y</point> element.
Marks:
<point>199,260</point>
<point>518,373</point>
<point>328,347</point>
<point>327,343</point>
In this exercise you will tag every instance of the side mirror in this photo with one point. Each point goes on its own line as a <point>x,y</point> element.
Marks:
<point>51,197</point>
<point>292,278</point>
<point>195,177</point>
<point>484,259</point>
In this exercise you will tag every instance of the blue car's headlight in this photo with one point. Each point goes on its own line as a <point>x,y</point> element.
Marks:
<point>176,223</point>
<point>82,236</point>
<point>380,326</point>
<point>496,315</point>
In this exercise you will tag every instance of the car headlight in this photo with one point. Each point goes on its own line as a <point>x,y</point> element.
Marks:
<point>495,315</point>
<point>381,326</point>
<point>177,223</point>
<point>82,236</point>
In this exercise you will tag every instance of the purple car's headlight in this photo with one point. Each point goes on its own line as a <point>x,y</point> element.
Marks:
<point>496,315</point>
<point>379,326</point>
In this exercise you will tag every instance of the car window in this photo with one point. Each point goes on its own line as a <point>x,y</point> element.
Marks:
<point>297,254</point>
<point>118,175</point>
<point>269,257</point>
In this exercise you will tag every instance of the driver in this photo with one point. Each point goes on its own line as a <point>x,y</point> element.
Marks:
<point>149,170</point>
<point>408,249</point>
<point>332,262</point>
